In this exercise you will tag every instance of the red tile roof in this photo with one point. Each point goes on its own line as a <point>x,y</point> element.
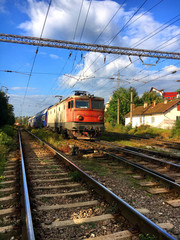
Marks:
<point>158,108</point>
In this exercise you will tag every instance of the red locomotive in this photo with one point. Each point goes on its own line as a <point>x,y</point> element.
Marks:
<point>78,116</point>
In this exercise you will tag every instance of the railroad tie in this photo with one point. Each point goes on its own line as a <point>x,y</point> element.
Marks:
<point>158,190</point>
<point>6,229</point>
<point>57,186</point>
<point>50,180</point>
<point>62,194</point>
<point>123,235</point>
<point>8,211</point>
<point>70,205</point>
<point>174,203</point>
<point>73,222</point>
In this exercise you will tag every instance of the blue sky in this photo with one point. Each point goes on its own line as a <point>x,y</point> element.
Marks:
<point>60,71</point>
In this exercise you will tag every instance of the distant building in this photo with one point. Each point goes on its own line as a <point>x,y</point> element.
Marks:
<point>107,104</point>
<point>160,115</point>
<point>158,92</point>
<point>166,95</point>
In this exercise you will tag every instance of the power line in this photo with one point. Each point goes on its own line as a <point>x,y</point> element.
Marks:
<point>85,20</point>
<point>35,56</point>
<point>78,20</point>
<point>110,21</point>
<point>127,22</point>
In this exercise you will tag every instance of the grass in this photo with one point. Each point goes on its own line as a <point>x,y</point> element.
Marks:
<point>7,143</point>
<point>75,176</point>
<point>142,131</point>
<point>147,237</point>
<point>91,165</point>
<point>52,138</point>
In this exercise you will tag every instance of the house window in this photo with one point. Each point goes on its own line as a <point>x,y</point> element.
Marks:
<point>69,104</point>
<point>177,117</point>
<point>152,119</point>
<point>140,120</point>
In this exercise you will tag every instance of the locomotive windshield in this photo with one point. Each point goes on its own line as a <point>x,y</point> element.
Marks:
<point>82,103</point>
<point>97,104</point>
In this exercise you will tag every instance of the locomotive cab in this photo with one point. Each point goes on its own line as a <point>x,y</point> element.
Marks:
<point>85,116</point>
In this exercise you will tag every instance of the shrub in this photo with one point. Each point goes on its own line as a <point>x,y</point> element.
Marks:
<point>6,144</point>
<point>176,129</point>
<point>9,130</point>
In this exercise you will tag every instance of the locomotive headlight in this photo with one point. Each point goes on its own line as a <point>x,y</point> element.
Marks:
<point>80,117</point>
<point>100,118</point>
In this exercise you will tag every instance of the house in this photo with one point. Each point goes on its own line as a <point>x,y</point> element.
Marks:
<point>161,115</point>
<point>158,92</point>
<point>167,95</point>
<point>107,105</point>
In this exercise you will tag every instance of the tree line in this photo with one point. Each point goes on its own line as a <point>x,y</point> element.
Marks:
<point>124,96</point>
<point>6,110</point>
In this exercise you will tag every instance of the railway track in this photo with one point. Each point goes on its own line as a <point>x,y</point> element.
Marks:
<point>64,209</point>
<point>163,155</point>
<point>169,169</point>
<point>166,172</point>
<point>153,142</point>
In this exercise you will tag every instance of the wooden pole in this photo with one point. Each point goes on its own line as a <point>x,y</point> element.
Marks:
<point>118,111</point>
<point>118,83</point>
<point>131,106</point>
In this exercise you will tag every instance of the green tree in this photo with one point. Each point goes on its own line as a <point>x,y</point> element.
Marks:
<point>149,97</point>
<point>124,96</point>
<point>6,110</point>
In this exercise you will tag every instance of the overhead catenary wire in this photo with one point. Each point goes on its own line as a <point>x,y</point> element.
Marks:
<point>138,44</point>
<point>74,36</point>
<point>106,26</point>
<point>35,56</point>
<point>118,32</point>
<point>124,27</point>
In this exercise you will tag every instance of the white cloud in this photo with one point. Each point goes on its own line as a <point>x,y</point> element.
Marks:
<point>20,88</point>
<point>61,24</point>
<point>53,56</point>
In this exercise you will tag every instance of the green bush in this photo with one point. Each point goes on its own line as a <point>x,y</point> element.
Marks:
<point>143,130</point>
<point>147,237</point>
<point>48,136</point>
<point>9,130</point>
<point>6,144</point>
<point>176,129</point>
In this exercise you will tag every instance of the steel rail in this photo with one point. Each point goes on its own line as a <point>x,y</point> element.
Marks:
<point>29,224</point>
<point>45,42</point>
<point>163,154</point>
<point>172,165</point>
<point>143,224</point>
<point>165,179</point>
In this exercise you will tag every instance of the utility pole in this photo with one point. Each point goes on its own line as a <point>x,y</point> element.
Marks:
<point>131,106</point>
<point>118,83</point>
<point>118,111</point>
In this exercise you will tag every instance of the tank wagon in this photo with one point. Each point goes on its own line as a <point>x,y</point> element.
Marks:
<point>78,116</point>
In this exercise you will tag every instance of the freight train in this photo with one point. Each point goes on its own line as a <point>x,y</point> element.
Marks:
<point>78,116</point>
